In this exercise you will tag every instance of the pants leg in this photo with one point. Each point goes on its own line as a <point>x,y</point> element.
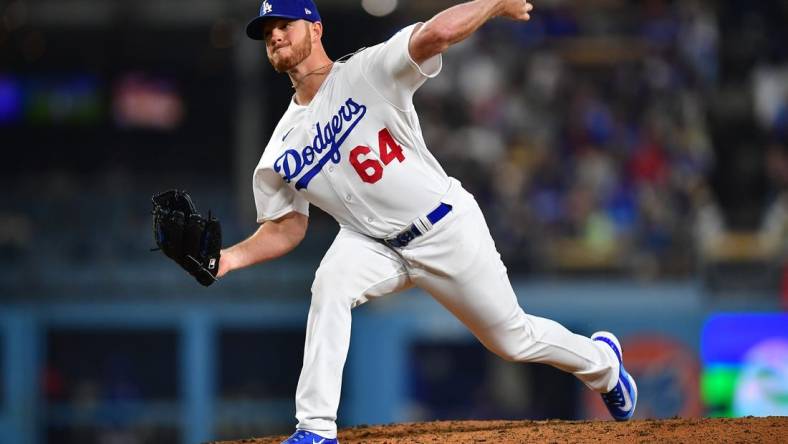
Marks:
<point>354,269</point>
<point>458,264</point>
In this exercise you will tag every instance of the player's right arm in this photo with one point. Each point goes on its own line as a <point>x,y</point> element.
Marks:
<point>459,22</point>
<point>274,238</point>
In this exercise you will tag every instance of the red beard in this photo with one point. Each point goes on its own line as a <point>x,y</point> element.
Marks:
<point>284,61</point>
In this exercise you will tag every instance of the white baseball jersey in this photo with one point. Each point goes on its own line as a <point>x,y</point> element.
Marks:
<point>356,151</point>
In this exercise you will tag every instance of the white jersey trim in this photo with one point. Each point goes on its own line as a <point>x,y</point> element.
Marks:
<point>432,66</point>
<point>283,212</point>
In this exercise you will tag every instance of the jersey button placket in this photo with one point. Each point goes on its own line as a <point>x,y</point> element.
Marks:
<point>348,197</point>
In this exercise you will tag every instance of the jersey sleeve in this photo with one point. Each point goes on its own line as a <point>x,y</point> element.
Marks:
<point>390,69</point>
<point>273,198</point>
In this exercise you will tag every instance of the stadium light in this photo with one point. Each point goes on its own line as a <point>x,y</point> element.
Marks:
<point>379,8</point>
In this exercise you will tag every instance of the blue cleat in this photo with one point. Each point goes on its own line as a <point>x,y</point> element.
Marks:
<point>304,437</point>
<point>620,401</point>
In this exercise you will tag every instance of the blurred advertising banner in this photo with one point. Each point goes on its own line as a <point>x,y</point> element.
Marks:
<point>745,364</point>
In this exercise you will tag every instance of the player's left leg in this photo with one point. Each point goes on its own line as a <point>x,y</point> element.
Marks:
<point>460,267</point>
<point>354,269</point>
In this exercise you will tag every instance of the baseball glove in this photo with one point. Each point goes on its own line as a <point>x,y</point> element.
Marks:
<point>185,236</point>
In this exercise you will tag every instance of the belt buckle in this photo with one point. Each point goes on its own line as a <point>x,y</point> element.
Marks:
<point>402,239</point>
<point>405,237</point>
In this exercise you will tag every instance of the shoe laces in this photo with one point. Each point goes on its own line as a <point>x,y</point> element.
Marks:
<point>614,397</point>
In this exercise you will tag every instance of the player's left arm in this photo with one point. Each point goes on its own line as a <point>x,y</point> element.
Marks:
<point>455,24</point>
<point>273,239</point>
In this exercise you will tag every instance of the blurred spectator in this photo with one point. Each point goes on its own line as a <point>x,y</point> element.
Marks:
<point>584,136</point>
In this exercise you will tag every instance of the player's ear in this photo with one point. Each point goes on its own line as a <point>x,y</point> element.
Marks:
<point>317,30</point>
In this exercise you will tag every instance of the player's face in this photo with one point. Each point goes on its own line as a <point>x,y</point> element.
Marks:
<point>287,42</point>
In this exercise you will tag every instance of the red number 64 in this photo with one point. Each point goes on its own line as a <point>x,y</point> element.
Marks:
<point>371,170</point>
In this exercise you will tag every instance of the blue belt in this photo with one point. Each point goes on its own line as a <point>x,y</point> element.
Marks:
<point>412,232</point>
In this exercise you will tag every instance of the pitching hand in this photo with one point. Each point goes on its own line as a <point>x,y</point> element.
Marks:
<point>516,9</point>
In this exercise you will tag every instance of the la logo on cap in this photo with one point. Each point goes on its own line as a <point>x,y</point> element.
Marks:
<point>308,12</point>
<point>266,7</point>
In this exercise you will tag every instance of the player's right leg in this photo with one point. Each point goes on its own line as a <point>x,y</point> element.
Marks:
<point>460,267</point>
<point>354,269</point>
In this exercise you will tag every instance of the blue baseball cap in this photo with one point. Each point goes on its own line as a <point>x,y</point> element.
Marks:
<point>289,9</point>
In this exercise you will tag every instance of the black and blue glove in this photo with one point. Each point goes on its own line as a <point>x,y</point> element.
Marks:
<point>191,240</point>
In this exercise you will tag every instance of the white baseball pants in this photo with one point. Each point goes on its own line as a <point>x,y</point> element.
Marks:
<point>457,263</point>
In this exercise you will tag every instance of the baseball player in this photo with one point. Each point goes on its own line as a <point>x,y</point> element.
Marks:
<point>350,143</point>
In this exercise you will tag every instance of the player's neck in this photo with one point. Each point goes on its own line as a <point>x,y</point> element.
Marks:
<point>309,75</point>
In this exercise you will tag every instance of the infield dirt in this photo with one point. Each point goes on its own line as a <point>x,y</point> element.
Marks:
<point>739,430</point>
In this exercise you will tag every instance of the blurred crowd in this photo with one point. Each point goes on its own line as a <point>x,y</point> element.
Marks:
<point>587,135</point>
<point>590,153</point>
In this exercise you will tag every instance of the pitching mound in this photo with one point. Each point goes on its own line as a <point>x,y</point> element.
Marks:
<point>739,430</point>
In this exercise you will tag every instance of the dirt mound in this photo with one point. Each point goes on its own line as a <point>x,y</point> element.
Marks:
<point>739,430</point>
